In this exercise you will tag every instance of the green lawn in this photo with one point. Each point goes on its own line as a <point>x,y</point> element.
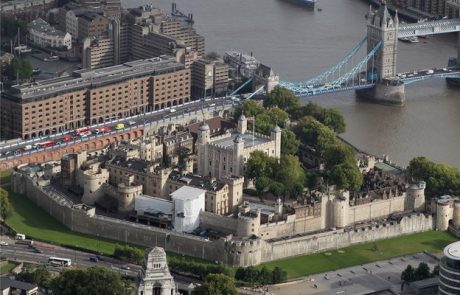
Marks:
<point>6,268</point>
<point>5,176</point>
<point>28,219</point>
<point>432,241</point>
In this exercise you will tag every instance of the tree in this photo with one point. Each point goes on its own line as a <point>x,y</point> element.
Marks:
<point>129,254</point>
<point>346,176</point>
<point>260,165</point>
<point>5,207</point>
<point>279,275</point>
<point>35,275</point>
<point>435,271</point>
<point>277,189</point>
<point>265,276</point>
<point>329,117</point>
<point>408,275</point>
<point>290,173</point>
<point>440,179</point>
<point>289,142</point>
<point>212,55</point>
<point>96,280</point>
<point>216,284</point>
<point>262,183</point>
<point>19,67</point>
<point>282,98</point>
<point>422,272</point>
<point>337,154</point>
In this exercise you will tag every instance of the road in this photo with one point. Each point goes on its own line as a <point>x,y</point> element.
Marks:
<point>21,147</point>
<point>26,253</point>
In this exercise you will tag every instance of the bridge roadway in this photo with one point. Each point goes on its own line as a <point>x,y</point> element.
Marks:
<point>410,77</point>
<point>429,28</point>
<point>15,150</point>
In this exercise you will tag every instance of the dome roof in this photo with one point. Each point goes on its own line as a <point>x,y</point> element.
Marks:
<point>277,129</point>
<point>204,127</point>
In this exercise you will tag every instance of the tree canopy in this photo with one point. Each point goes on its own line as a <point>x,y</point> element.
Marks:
<point>19,67</point>
<point>216,284</point>
<point>440,179</point>
<point>5,207</point>
<point>96,280</point>
<point>329,117</point>
<point>282,98</point>
<point>35,275</point>
<point>289,142</point>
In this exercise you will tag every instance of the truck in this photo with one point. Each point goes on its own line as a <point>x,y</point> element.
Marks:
<point>101,130</point>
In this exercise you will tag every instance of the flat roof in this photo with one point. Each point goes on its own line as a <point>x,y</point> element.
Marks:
<point>452,251</point>
<point>88,79</point>
<point>187,193</point>
<point>249,140</point>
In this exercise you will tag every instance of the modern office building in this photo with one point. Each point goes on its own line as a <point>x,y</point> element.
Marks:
<point>449,272</point>
<point>92,96</point>
<point>209,78</point>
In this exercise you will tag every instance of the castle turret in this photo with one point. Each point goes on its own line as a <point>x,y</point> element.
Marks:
<point>242,124</point>
<point>276,136</point>
<point>443,213</point>
<point>340,209</point>
<point>456,214</point>
<point>204,137</point>
<point>238,149</point>
<point>416,197</point>
<point>92,181</point>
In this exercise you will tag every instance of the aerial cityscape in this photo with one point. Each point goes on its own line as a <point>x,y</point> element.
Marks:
<point>230,147</point>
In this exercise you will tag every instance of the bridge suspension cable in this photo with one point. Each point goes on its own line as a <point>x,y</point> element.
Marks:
<point>320,79</point>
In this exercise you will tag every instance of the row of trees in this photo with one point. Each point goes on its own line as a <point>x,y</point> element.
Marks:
<point>283,178</point>
<point>129,254</point>
<point>5,207</point>
<point>196,268</point>
<point>440,179</point>
<point>339,158</point>
<point>422,272</point>
<point>261,276</point>
<point>96,280</point>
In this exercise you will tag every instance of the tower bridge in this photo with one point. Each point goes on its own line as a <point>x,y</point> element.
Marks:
<point>374,76</point>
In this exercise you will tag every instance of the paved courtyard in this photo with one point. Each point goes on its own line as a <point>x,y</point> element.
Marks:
<point>356,280</point>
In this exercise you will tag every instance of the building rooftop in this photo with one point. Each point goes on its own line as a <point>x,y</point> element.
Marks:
<point>41,26</point>
<point>83,79</point>
<point>197,181</point>
<point>452,251</point>
<point>133,164</point>
<point>249,139</point>
<point>6,283</point>
<point>187,193</point>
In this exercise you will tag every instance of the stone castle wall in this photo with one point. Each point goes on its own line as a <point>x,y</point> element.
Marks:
<point>272,250</point>
<point>234,251</point>
<point>376,209</point>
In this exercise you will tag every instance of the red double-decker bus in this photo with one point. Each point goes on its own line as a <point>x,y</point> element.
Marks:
<point>44,144</point>
<point>83,130</point>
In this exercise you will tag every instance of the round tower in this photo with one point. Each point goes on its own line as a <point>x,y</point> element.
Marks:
<point>456,215</point>
<point>442,214</point>
<point>204,137</point>
<point>92,185</point>
<point>248,224</point>
<point>340,209</point>
<point>416,196</point>
<point>126,194</point>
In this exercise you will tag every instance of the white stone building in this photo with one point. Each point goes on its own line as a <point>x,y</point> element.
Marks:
<point>188,202</point>
<point>226,155</point>
<point>44,35</point>
<point>155,278</point>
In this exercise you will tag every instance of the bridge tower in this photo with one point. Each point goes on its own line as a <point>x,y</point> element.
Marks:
<point>383,27</point>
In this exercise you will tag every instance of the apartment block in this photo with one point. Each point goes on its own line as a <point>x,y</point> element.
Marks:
<point>92,96</point>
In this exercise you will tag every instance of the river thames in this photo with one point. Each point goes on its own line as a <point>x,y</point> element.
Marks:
<point>299,43</point>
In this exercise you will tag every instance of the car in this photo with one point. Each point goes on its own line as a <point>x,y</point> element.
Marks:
<point>3,243</point>
<point>213,104</point>
<point>94,259</point>
<point>131,123</point>
<point>172,110</point>
<point>125,267</point>
<point>119,126</point>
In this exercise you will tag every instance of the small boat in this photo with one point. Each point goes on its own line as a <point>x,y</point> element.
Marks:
<point>23,49</point>
<point>414,39</point>
<point>309,3</point>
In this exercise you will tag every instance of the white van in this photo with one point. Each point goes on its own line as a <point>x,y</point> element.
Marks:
<point>20,236</point>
